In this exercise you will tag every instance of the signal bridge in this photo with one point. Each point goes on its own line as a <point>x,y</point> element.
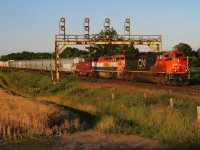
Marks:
<point>62,40</point>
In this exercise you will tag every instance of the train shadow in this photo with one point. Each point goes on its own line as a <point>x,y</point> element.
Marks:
<point>195,82</point>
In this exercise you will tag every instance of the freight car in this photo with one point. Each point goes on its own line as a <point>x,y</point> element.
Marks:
<point>66,64</point>
<point>4,64</point>
<point>162,68</point>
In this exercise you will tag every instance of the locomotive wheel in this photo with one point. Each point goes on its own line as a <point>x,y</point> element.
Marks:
<point>94,76</point>
<point>114,75</point>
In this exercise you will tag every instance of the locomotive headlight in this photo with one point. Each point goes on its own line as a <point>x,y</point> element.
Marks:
<point>175,70</point>
<point>186,70</point>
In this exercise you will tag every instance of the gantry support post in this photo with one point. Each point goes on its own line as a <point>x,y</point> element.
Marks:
<point>156,48</point>
<point>58,51</point>
<point>57,61</point>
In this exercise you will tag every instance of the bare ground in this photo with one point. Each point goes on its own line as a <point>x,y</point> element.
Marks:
<point>92,140</point>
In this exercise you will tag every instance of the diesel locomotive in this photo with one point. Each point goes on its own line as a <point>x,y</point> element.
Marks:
<point>169,67</point>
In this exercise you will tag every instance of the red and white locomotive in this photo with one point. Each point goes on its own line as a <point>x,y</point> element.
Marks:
<point>164,68</point>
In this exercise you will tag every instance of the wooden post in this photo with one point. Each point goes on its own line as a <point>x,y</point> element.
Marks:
<point>145,95</point>
<point>171,103</point>
<point>198,114</point>
<point>113,96</point>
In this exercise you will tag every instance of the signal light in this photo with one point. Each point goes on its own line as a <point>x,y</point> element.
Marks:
<point>127,28</point>
<point>87,20</point>
<point>62,19</point>
<point>107,20</point>
<point>107,28</point>
<point>62,28</point>
<point>127,20</point>
<point>87,28</point>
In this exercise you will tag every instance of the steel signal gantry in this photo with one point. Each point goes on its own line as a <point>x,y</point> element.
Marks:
<point>62,40</point>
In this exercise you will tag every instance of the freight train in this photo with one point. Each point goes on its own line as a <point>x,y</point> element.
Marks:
<point>169,67</point>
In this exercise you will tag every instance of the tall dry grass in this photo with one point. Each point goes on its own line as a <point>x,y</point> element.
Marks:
<point>20,117</point>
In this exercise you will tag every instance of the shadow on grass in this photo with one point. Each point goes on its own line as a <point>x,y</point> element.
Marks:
<point>195,82</point>
<point>195,78</point>
<point>86,119</point>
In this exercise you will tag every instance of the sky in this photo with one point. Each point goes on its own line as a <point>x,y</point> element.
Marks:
<point>31,25</point>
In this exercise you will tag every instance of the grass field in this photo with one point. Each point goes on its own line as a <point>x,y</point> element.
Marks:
<point>195,75</point>
<point>116,108</point>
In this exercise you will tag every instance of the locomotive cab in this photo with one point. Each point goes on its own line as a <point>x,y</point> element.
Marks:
<point>173,66</point>
<point>175,62</point>
<point>176,68</point>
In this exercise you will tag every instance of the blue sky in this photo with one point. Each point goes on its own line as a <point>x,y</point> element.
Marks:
<point>32,24</point>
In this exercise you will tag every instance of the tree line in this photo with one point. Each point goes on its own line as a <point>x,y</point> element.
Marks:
<point>101,50</point>
<point>194,56</point>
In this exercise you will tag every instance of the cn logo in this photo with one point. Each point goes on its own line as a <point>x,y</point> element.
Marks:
<point>141,63</point>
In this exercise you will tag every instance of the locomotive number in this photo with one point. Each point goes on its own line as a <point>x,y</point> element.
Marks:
<point>141,63</point>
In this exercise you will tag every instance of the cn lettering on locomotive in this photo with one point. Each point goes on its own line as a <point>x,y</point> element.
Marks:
<point>141,63</point>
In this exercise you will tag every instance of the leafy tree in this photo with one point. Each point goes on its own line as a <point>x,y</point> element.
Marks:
<point>198,52</point>
<point>194,62</point>
<point>25,56</point>
<point>73,52</point>
<point>110,49</point>
<point>185,48</point>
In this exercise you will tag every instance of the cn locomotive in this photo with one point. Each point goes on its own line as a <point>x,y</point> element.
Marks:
<point>169,67</point>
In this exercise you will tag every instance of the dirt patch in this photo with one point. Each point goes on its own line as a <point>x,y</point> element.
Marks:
<point>92,140</point>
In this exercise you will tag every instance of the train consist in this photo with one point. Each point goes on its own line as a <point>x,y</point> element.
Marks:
<point>163,68</point>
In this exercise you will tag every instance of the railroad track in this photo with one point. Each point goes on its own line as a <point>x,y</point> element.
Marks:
<point>193,89</point>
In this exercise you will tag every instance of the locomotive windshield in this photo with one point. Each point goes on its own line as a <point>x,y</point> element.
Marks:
<point>169,56</point>
<point>120,58</point>
<point>179,55</point>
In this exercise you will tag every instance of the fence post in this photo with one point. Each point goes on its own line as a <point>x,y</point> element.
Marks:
<point>145,95</point>
<point>198,114</point>
<point>113,96</point>
<point>171,103</point>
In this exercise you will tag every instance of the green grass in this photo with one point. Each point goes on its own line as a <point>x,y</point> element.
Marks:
<point>36,143</point>
<point>130,112</point>
<point>195,75</point>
